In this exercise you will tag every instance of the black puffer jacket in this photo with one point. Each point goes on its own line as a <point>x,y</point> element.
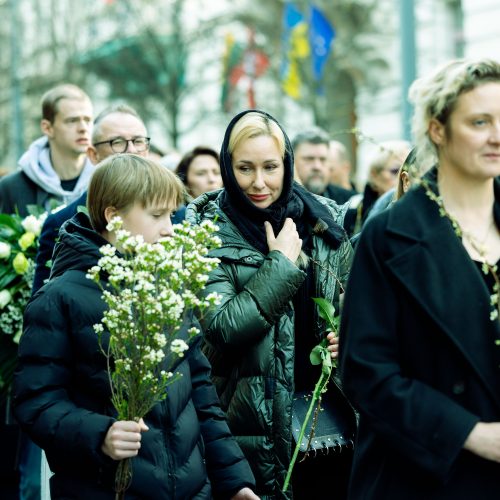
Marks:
<point>62,397</point>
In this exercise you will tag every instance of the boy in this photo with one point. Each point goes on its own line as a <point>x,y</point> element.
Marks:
<point>183,449</point>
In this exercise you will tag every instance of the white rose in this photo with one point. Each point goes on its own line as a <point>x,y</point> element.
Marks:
<point>4,250</point>
<point>5,298</point>
<point>33,224</point>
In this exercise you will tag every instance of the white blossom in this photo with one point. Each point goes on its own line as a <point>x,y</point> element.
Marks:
<point>5,298</point>
<point>178,346</point>
<point>5,250</point>
<point>33,224</point>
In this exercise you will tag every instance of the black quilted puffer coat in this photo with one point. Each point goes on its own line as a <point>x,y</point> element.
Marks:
<point>62,397</point>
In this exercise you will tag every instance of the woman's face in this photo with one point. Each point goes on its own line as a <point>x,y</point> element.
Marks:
<point>259,170</point>
<point>470,143</point>
<point>203,175</point>
<point>387,177</point>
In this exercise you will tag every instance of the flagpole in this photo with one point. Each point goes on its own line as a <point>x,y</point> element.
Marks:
<point>408,62</point>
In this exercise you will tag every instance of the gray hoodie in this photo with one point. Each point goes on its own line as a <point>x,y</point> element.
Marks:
<point>36,164</point>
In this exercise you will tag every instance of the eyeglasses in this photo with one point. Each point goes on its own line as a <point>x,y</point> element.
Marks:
<point>120,145</point>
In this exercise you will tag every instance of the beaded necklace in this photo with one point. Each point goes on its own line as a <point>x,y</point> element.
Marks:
<point>486,267</point>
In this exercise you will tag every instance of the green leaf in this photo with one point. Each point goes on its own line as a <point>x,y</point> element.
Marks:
<point>7,278</point>
<point>315,356</point>
<point>11,221</point>
<point>326,311</point>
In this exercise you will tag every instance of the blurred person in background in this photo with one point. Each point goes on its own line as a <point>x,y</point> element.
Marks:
<point>312,163</point>
<point>407,175</point>
<point>199,170</point>
<point>340,166</point>
<point>383,171</point>
<point>55,168</point>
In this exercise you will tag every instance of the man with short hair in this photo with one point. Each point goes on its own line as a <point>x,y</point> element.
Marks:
<point>54,169</point>
<point>311,152</point>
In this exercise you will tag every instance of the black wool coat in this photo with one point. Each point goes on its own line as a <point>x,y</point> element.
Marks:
<point>62,397</point>
<point>418,358</point>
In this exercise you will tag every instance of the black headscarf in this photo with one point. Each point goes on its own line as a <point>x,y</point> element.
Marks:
<point>294,202</point>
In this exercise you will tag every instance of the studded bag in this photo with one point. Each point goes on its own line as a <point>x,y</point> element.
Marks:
<point>336,422</point>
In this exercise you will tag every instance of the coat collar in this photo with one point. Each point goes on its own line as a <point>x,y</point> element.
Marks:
<point>431,263</point>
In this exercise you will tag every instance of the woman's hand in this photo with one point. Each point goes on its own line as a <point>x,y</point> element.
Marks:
<point>123,439</point>
<point>484,441</point>
<point>334,345</point>
<point>287,241</point>
<point>245,494</point>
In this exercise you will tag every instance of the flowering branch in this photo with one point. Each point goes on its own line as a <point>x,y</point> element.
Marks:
<point>149,290</point>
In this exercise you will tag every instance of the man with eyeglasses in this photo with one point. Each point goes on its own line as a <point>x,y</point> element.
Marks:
<point>54,169</point>
<point>311,155</point>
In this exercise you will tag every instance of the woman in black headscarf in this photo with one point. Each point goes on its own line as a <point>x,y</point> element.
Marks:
<point>281,246</point>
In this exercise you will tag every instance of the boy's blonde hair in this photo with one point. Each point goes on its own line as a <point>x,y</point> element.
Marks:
<point>122,180</point>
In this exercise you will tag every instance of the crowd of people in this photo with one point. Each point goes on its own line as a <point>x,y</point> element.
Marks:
<point>409,264</point>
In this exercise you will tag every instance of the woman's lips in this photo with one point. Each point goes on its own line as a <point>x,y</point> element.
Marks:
<point>258,197</point>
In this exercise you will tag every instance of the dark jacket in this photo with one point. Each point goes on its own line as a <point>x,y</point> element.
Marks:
<point>62,397</point>
<point>37,183</point>
<point>17,191</point>
<point>418,358</point>
<point>338,194</point>
<point>250,337</point>
<point>50,231</point>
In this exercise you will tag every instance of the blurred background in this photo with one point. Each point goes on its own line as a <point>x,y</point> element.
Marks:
<point>187,66</point>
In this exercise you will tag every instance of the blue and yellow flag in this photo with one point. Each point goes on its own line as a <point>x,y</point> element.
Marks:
<point>321,36</point>
<point>296,49</point>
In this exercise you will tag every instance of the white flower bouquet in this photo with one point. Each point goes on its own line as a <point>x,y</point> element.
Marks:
<point>149,289</point>
<point>18,248</point>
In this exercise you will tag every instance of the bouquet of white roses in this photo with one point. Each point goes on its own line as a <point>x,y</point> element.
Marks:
<point>149,289</point>
<point>18,248</point>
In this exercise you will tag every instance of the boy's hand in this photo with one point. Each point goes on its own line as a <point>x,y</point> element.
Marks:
<point>123,439</point>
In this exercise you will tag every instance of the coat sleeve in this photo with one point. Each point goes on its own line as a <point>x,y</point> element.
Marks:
<point>227,467</point>
<point>345,262</point>
<point>70,435</point>
<point>411,417</point>
<point>245,316</point>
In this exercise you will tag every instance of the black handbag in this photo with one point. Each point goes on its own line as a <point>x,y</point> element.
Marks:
<point>335,425</point>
